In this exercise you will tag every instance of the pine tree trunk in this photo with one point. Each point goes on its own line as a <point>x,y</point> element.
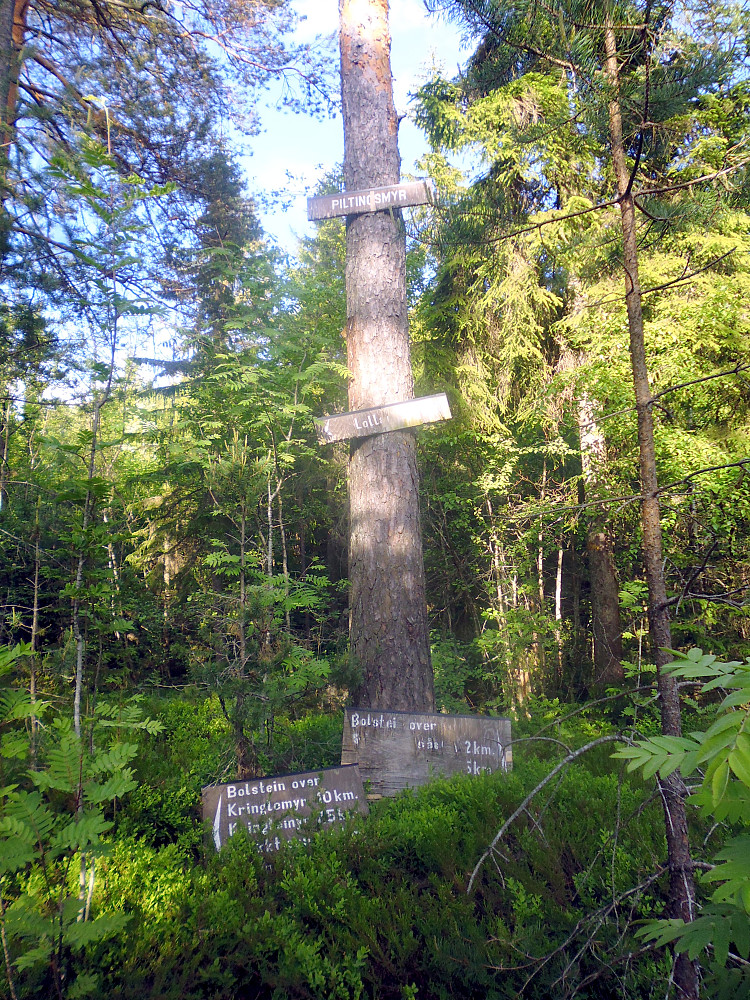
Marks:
<point>681,881</point>
<point>388,615</point>
<point>13,15</point>
<point>8,64</point>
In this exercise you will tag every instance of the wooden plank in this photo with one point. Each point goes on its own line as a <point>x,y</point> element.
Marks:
<point>397,750</point>
<point>273,809</point>
<point>328,206</point>
<point>381,419</point>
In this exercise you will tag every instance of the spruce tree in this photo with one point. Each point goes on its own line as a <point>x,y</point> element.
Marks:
<point>629,76</point>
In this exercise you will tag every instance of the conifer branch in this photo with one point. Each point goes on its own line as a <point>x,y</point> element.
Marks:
<point>585,25</point>
<point>703,179</point>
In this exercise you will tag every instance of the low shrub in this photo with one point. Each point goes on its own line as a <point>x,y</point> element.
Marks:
<point>380,909</point>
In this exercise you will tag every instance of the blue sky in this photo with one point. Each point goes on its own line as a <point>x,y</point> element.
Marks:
<point>307,148</point>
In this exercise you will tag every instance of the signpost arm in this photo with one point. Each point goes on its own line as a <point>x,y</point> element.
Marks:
<point>388,614</point>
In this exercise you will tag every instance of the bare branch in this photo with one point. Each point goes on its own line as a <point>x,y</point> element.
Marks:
<point>703,179</point>
<point>692,274</point>
<point>695,574</point>
<point>538,226</point>
<point>738,368</point>
<point>742,464</point>
<point>573,755</point>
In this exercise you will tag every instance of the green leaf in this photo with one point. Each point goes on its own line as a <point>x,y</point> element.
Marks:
<point>80,833</point>
<point>34,956</point>
<point>719,781</point>
<point>720,940</point>
<point>739,759</point>
<point>15,853</point>
<point>741,934</point>
<point>78,934</point>
<point>115,787</point>
<point>86,984</point>
<point>9,655</point>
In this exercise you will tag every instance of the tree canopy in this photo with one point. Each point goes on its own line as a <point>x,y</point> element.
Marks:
<point>174,560</point>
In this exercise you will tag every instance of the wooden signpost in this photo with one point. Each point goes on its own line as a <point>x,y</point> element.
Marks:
<point>397,750</point>
<point>381,419</point>
<point>373,199</point>
<point>272,809</point>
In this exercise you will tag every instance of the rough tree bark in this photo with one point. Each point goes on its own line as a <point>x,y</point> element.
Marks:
<point>388,614</point>
<point>12,35</point>
<point>673,792</point>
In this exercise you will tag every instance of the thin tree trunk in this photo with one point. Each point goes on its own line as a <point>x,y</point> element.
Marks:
<point>606,625</point>
<point>88,511</point>
<point>12,37</point>
<point>90,890</point>
<point>271,496</point>
<point>4,459</point>
<point>284,559</point>
<point>576,600</point>
<point>558,610</point>
<point>243,587</point>
<point>35,636</point>
<point>302,535</point>
<point>538,639</point>
<point>673,792</point>
<point>116,599</point>
<point>269,523</point>
<point>500,570</point>
<point>389,638</point>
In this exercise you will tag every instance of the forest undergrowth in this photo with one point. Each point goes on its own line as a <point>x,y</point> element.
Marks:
<point>381,908</point>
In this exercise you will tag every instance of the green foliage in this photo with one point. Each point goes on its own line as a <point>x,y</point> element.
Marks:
<point>382,903</point>
<point>721,756</point>
<point>54,817</point>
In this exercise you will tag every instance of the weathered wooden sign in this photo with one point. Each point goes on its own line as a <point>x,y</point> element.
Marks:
<point>397,750</point>
<point>381,419</point>
<point>272,809</point>
<point>328,206</point>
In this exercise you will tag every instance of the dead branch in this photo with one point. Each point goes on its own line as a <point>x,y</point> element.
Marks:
<point>738,368</point>
<point>573,755</point>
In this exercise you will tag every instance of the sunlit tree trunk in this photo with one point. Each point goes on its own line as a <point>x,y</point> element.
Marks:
<point>9,67</point>
<point>388,614</point>
<point>4,456</point>
<point>605,592</point>
<point>34,658</point>
<point>539,639</point>
<point>558,610</point>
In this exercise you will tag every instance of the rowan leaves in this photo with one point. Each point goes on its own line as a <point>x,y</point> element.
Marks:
<point>721,755</point>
